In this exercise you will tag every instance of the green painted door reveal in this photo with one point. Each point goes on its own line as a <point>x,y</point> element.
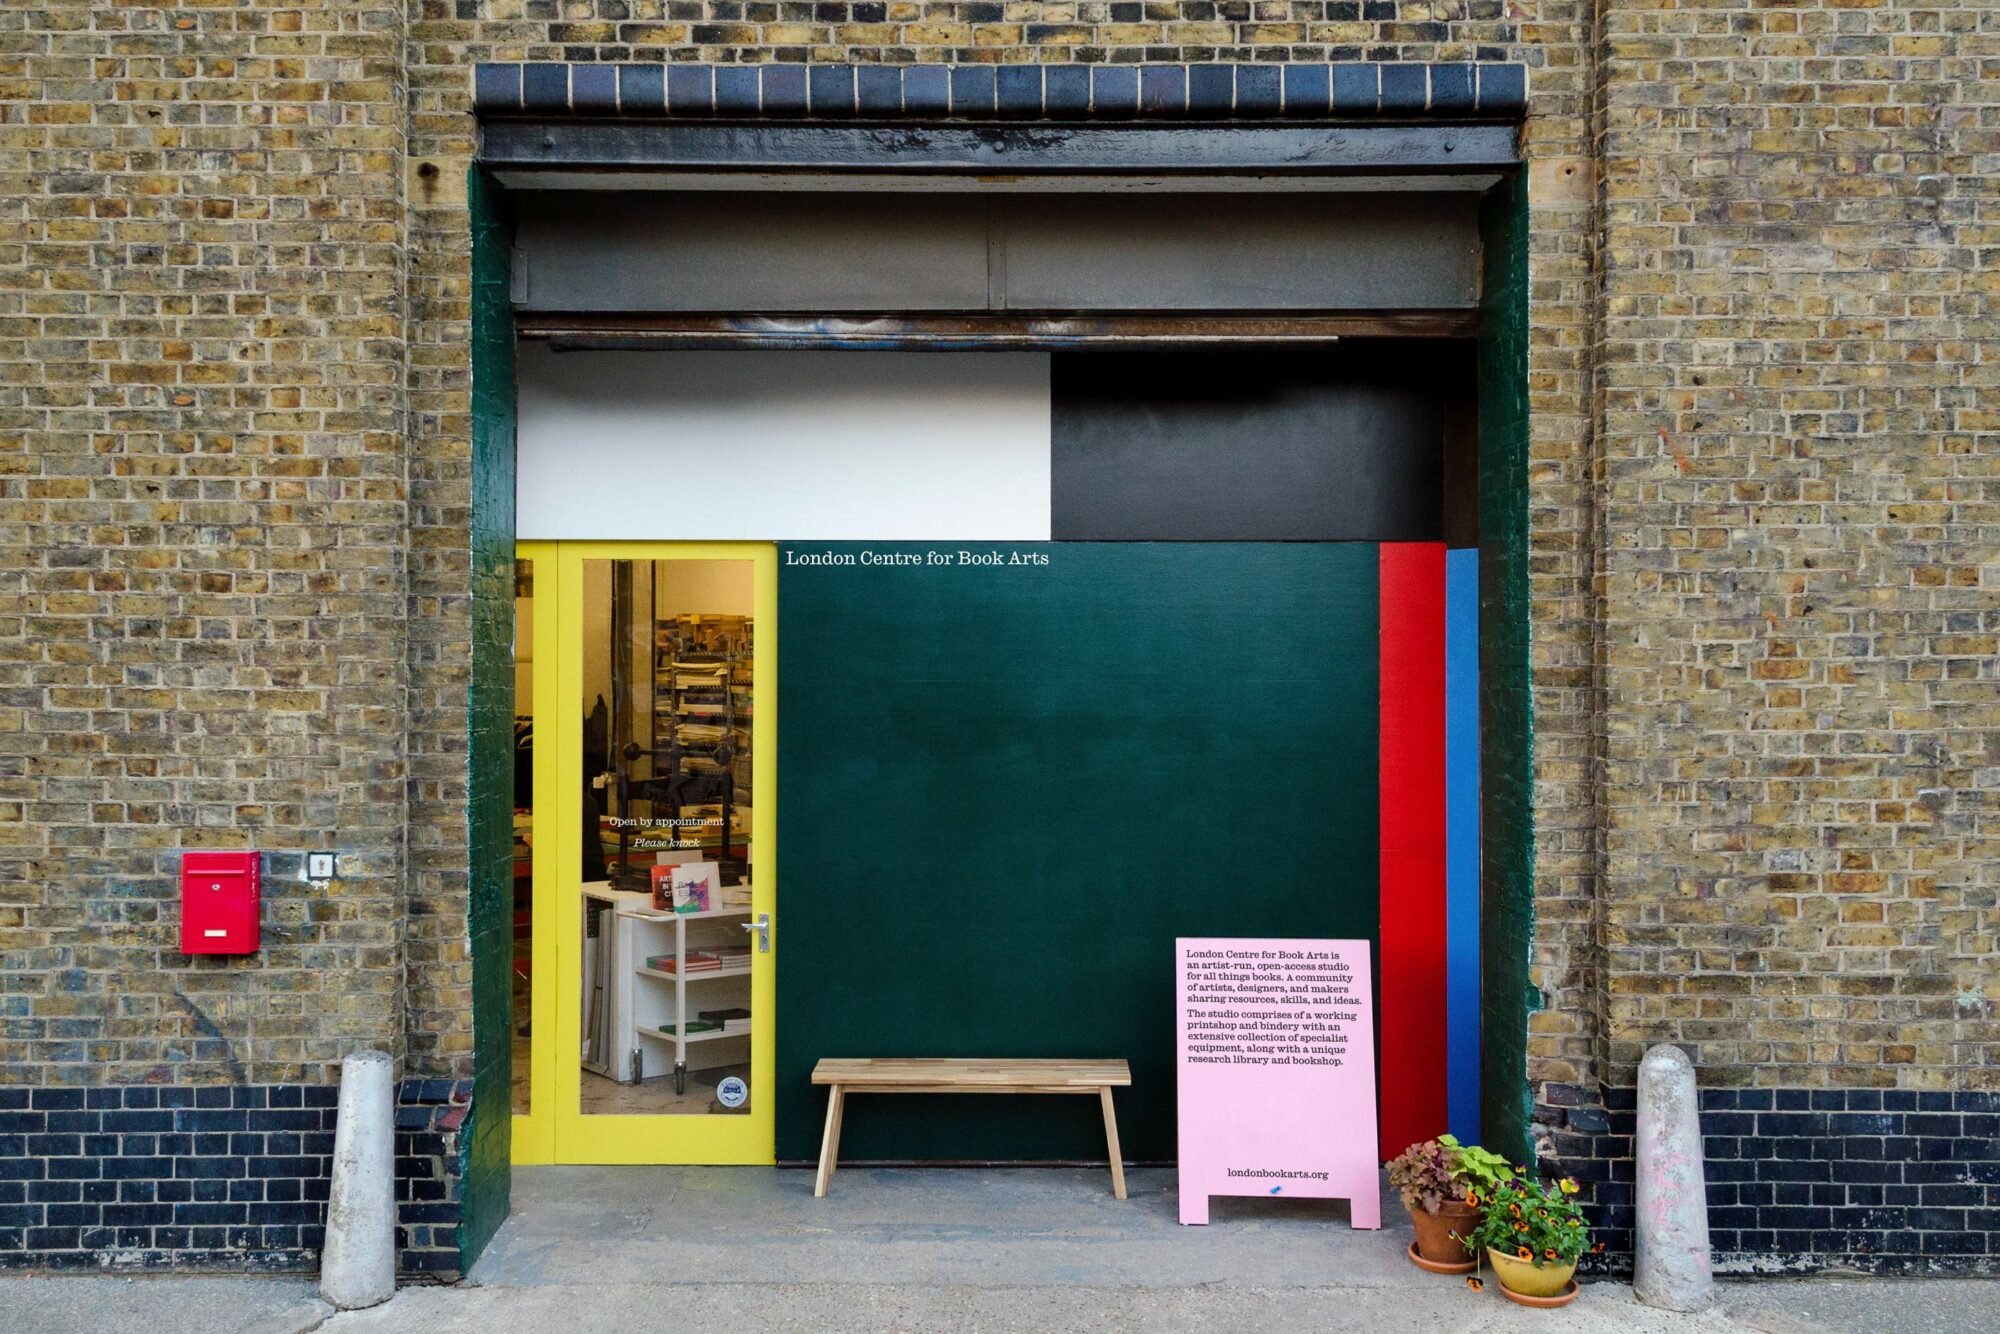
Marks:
<point>486,1145</point>
<point>1506,706</point>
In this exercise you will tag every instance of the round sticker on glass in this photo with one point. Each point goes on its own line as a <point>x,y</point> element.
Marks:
<point>732,1092</point>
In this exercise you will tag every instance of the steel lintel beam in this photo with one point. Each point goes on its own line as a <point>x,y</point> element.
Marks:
<point>519,146</point>
<point>601,332</point>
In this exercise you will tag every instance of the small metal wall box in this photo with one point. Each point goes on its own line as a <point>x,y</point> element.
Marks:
<point>219,902</point>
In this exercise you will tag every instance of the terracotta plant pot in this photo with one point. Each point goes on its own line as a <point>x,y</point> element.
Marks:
<point>1434,1239</point>
<point>1440,1266</point>
<point>1529,1279</point>
<point>1563,1298</point>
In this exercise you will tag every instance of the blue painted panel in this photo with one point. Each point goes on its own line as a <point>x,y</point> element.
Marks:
<point>1461,799</point>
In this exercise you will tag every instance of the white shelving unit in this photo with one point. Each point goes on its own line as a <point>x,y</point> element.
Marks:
<point>662,997</point>
<point>606,990</point>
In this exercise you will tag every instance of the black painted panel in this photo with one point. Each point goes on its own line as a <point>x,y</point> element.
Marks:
<point>1337,444</point>
<point>1239,252</point>
<point>516,149</point>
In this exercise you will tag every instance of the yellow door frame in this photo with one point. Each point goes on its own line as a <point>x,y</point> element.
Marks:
<point>556,1130</point>
<point>534,1133</point>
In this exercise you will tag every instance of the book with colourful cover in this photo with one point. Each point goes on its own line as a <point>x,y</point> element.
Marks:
<point>695,885</point>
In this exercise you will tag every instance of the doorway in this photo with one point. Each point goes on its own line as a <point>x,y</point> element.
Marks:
<point>643,978</point>
<point>1492,310</point>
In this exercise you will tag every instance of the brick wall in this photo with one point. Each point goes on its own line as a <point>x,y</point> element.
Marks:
<point>1800,805</point>
<point>1888,1181</point>
<point>230,1178</point>
<point>236,478</point>
<point>203,521</point>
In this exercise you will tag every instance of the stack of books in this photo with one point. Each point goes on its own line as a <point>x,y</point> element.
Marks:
<point>730,1021</point>
<point>698,961</point>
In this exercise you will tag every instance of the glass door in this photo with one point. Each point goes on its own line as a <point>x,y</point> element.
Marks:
<point>655,686</point>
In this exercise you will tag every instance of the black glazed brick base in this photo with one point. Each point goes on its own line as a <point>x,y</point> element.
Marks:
<point>210,1178</point>
<point>1806,1180</point>
<point>433,1134</point>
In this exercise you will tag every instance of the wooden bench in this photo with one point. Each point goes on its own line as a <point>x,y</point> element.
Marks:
<point>968,1076</point>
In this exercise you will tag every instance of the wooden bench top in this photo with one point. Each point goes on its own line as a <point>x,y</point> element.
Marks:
<point>967,1075</point>
<point>976,1075</point>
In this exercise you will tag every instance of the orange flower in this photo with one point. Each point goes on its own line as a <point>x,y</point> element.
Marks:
<point>1549,1253</point>
<point>1514,1209</point>
<point>1520,1227</point>
<point>1598,1249</point>
<point>1472,1282</point>
<point>1524,1252</point>
<point>1472,1198</point>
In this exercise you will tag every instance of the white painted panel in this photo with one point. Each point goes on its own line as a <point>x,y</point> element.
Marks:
<point>831,446</point>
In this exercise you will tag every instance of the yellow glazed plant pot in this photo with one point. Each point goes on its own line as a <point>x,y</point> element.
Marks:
<point>1524,1277</point>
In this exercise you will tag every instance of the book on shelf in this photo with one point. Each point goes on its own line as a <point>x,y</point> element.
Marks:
<point>702,734</point>
<point>692,1027</point>
<point>734,1020</point>
<point>697,961</point>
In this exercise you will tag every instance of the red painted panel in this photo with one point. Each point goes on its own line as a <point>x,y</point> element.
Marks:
<point>1412,965</point>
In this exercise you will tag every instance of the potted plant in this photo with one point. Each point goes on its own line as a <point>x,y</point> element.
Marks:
<point>1476,1168</point>
<point>1426,1176</point>
<point>1533,1234</point>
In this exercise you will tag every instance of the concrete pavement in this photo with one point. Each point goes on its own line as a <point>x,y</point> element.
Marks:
<point>980,1250</point>
<point>166,1304</point>
<point>96,1305</point>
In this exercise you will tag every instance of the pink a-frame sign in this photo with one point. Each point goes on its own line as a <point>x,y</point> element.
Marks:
<point>1277,1073</point>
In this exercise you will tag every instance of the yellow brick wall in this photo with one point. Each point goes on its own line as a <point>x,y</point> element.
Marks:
<point>234,490</point>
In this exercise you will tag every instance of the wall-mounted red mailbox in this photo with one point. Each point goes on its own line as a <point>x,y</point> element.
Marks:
<point>219,892</point>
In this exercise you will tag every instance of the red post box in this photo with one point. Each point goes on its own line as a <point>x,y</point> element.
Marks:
<point>219,895</point>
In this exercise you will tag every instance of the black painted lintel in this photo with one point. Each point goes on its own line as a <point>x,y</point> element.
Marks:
<point>514,146</point>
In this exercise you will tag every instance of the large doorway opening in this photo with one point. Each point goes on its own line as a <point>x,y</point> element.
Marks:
<point>571,253</point>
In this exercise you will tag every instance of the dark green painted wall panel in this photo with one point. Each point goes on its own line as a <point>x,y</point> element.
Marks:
<point>490,730</point>
<point>1003,792</point>
<point>1507,891</point>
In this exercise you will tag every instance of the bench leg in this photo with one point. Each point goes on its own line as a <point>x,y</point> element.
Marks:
<point>1111,1142</point>
<point>829,1145</point>
<point>839,1116</point>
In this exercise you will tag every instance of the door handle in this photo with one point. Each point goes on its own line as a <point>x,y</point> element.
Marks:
<point>762,926</point>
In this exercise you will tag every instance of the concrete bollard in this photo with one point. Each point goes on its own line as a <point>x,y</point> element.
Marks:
<point>1672,1268</point>
<point>358,1266</point>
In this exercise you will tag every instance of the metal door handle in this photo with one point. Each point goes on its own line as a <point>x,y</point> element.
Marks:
<point>762,926</point>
